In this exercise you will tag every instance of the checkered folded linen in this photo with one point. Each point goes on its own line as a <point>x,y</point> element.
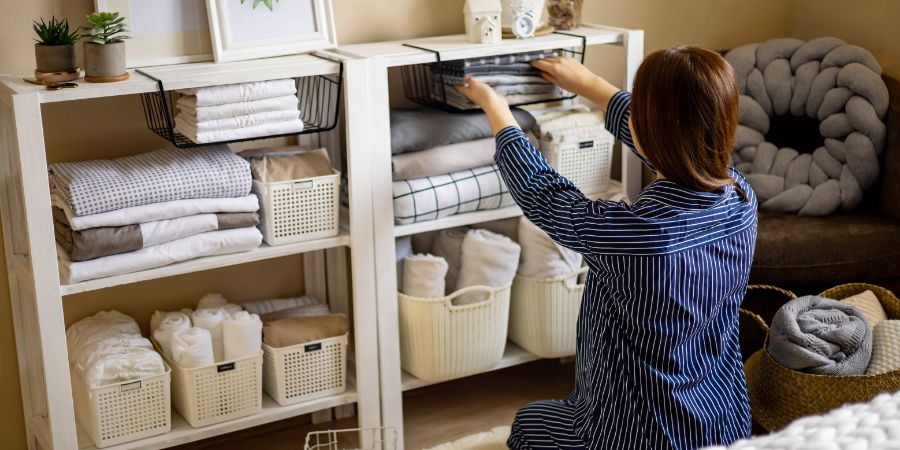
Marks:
<point>168,174</point>
<point>430,198</point>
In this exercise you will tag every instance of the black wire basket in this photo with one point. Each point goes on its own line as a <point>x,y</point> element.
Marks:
<point>318,96</point>
<point>425,83</point>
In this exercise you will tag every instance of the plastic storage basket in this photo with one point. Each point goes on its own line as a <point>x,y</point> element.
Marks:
<point>123,412</point>
<point>543,320</point>
<point>223,391</point>
<point>305,371</point>
<point>440,341</point>
<point>377,439</point>
<point>299,210</point>
<point>583,155</point>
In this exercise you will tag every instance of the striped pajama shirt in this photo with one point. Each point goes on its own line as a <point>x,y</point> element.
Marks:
<point>658,358</point>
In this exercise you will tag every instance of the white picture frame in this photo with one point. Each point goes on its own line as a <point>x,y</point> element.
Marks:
<point>240,32</point>
<point>163,32</point>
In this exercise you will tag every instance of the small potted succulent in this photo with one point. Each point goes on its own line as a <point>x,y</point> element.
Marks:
<point>54,52</point>
<point>104,47</point>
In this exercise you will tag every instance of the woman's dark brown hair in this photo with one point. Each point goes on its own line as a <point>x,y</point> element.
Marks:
<point>684,111</point>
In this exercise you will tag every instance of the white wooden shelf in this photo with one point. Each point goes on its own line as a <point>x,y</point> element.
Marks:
<point>264,251</point>
<point>183,433</point>
<point>512,356</point>
<point>453,47</point>
<point>459,220</point>
<point>183,76</point>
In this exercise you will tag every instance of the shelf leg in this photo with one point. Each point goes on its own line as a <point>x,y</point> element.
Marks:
<point>632,173</point>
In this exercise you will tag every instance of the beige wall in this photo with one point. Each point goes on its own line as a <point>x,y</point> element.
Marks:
<point>714,23</point>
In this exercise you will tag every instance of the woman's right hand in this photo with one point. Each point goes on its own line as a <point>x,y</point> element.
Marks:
<point>571,75</point>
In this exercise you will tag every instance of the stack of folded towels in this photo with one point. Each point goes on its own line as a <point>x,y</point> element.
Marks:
<point>443,164</point>
<point>215,332</point>
<point>140,212</point>
<point>293,321</point>
<point>853,336</point>
<point>238,111</point>
<point>108,348</point>
<point>510,75</point>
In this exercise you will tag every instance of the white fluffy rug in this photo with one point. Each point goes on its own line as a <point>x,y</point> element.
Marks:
<point>489,440</point>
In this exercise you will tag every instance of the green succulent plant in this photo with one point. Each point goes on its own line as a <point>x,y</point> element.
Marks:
<point>56,32</point>
<point>268,3</point>
<point>106,28</point>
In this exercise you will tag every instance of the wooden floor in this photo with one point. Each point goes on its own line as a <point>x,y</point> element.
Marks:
<point>433,415</point>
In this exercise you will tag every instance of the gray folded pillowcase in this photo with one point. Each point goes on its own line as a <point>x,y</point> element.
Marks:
<point>421,129</point>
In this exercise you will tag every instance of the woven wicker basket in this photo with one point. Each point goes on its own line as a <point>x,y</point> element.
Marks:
<point>779,395</point>
<point>753,331</point>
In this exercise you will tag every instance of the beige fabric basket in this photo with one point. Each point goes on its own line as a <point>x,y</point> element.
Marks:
<point>583,155</point>
<point>123,412</point>
<point>299,210</point>
<point>440,341</point>
<point>543,318</point>
<point>306,371</point>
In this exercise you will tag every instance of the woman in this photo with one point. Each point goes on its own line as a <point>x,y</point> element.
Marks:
<point>658,356</point>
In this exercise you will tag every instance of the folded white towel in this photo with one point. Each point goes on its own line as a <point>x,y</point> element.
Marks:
<point>215,300</point>
<point>424,276</point>
<point>230,123</point>
<point>174,322</point>
<point>100,326</point>
<point>84,357</point>
<point>448,245</point>
<point>187,106</point>
<point>211,320</point>
<point>267,129</point>
<point>221,242</point>
<point>885,348</point>
<point>192,348</point>
<point>156,211</point>
<point>122,364</point>
<point>241,92</point>
<point>269,306</point>
<point>242,334</point>
<point>157,319</point>
<point>488,259</point>
<point>541,256</point>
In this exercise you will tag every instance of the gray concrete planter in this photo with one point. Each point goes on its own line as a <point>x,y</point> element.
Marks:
<point>104,60</point>
<point>54,58</point>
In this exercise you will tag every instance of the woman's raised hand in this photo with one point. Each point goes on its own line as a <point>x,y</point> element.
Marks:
<point>571,75</point>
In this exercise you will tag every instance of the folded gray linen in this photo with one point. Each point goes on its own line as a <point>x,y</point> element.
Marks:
<point>167,174</point>
<point>457,100</point>
<point>446,158</point>
<point>821,336</point>
<point>421,129</point>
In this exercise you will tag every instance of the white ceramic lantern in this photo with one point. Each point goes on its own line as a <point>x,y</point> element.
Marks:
<point>483,21</point>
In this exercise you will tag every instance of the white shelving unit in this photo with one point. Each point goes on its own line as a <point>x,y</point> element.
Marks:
<point>385,55</point>
<point>31,257</point>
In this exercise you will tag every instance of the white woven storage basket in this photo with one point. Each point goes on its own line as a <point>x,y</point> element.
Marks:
<point>299,210</point>
<point>223,391</point>
<point>305,371</point>
<point>583,155</point>
<point>123,412</point>
<point>544,317</point>
<point>440,341</point>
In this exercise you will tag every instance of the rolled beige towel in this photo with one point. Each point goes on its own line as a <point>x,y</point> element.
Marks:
<point>867,303</point>
<point>448,245</point>
<point>424,276</point>
<point>488,259</point>
<point>885,348</point>
<point>541,256</point>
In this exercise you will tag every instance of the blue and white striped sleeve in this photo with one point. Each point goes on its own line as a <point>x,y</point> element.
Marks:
<point>547,198</point>
<point>617,114</point>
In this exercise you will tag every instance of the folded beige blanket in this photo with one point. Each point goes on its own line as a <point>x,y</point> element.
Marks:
<point>277,168</point>
<point>299,330</point>
<point>92,243</point>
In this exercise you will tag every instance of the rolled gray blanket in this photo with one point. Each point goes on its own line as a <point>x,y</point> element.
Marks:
<point>821,336</point>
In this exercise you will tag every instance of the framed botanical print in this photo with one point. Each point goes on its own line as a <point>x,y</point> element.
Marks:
<point>249,29</point>
<point>163,31</point>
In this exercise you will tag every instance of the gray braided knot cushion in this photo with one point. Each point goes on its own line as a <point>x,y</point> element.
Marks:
<point>825,79</point>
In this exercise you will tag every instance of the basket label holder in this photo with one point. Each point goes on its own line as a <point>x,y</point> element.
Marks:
<point>312,347</point>
<point>227,367</point>
<point>128,387</point>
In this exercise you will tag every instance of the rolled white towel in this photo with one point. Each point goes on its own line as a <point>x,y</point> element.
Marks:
<point>172,323</point>
<point>215,300</point>
<point>186,311</point>
<point>211,320</point>
<point>448,245</point>
<point>242,333</point>
<point>123,364</point>
<point>193,348</point>
<point>423,276</point>
<point>488,259</point>
<point>541,256</point>
<point>157,318</point>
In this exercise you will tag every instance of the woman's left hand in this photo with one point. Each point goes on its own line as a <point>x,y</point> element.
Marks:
<point>481,94</point>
